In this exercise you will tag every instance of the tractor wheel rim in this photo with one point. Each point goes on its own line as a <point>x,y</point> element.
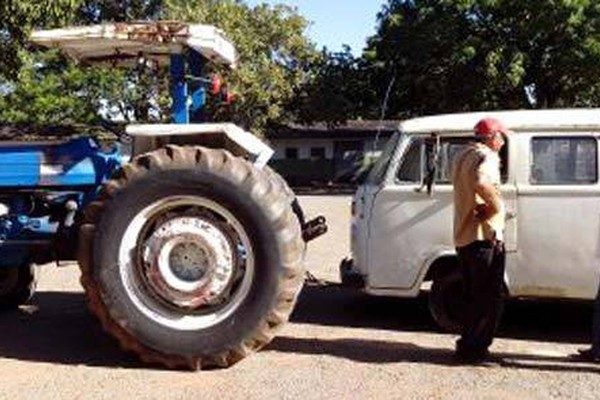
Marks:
<point>189,261</point>
<point>194,270</point>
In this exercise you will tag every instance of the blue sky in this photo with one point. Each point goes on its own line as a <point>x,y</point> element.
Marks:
<point>336,22</point>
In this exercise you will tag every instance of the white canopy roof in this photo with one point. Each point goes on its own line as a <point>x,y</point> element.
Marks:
<point>126,41</point>
<point>518,120</point>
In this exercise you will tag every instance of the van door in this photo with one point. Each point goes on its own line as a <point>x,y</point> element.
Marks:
<point>558,217</point>
<point>362,204</point>
<point>409,228</point>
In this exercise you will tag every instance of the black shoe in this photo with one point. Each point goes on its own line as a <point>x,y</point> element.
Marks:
<point>471,356</point>
<point>587,355</point>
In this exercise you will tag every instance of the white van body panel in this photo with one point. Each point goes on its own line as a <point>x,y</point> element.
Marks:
<point>552,233</point>
<point>401,218</point>
<point>359,228</point>
<point>559,233</point>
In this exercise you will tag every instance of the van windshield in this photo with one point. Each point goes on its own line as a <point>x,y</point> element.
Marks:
<point>381,165</point>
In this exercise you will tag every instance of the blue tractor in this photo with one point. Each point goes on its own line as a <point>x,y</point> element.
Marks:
<point>191,248</point>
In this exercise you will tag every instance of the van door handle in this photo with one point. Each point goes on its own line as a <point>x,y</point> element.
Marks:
<point>510,215</point>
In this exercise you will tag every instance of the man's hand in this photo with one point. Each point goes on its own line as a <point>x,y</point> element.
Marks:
<point>492,200</point>
<point>482,212</point>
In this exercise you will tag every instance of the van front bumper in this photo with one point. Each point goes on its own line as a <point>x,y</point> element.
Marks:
<point>349,276</point>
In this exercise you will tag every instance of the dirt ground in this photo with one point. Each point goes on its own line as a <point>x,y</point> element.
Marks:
<point>339,345</point>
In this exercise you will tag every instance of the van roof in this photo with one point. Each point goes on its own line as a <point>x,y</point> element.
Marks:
<point>516,120</point>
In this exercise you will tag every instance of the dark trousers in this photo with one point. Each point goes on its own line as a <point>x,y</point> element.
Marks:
<point>596,325</point>
<point>482,268</point>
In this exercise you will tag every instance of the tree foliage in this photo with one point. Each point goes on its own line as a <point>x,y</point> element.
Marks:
<point>339,88</point>
<point>430,56</point>
<point>95,11</point>
<point>273,52</point>
<point>454,55</point>
<point>51,90</point>
<point>43,87</point>
<point>17,17</point>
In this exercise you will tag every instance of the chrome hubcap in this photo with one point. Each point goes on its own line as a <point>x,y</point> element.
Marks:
<point>189,262</point>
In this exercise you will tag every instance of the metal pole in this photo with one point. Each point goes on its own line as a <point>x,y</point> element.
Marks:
<point>179,90</point>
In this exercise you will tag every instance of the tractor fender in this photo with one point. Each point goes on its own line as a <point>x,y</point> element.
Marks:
<point>149,137</point>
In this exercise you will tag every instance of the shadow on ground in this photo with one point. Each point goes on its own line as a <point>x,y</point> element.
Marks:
<point>59,329</point>
<point>331,304</point>
<point>385,352</point>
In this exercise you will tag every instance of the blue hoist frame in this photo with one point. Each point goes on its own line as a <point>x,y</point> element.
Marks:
<point>188,108</point>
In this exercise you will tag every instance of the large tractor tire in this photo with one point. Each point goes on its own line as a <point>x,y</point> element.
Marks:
<point>281,185</point>
<point>17,285</point>
<point>191,257</point>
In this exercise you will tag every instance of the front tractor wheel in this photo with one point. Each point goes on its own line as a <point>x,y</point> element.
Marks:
<point>193,257</point>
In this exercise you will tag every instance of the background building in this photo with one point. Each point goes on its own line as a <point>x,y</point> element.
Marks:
<point>317,154</point>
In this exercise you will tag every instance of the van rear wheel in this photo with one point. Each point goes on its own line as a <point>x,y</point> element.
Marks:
<point>447,302</point>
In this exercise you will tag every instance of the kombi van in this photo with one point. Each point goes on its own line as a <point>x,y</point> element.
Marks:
<point>401,232</point>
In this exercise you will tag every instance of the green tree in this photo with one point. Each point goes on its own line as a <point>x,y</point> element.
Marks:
<point>17,17</point>
<point>339,87</point>
<point>52,90</point>
<point>454,55</point>
<point>94,11</point>
<point>43,87</point>
<point>274,55</point>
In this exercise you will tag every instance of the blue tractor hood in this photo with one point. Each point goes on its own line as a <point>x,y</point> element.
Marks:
<point>75,163</point>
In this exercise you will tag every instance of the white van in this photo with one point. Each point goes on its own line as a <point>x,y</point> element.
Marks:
<point>402,216</point>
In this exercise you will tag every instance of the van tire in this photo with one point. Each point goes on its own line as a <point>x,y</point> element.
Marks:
<point>446,301</point>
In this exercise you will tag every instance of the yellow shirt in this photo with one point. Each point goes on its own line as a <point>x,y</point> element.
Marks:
<point>476,164</point>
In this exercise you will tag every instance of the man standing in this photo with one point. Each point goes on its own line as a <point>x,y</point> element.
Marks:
<point>592,354</point>
<point>478,236</point>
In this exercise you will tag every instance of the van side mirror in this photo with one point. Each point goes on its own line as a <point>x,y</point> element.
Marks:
<point>432,150</point>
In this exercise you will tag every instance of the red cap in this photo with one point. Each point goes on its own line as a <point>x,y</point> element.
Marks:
<point>490,126</point>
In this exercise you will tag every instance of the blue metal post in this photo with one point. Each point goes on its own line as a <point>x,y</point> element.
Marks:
<point>196,66</point>
<point>179,90</point>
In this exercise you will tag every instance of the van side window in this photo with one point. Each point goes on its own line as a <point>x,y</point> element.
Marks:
<point>453,146</point>
<point>410,169</point>
<point>564,160</point>
<point>449,149</point>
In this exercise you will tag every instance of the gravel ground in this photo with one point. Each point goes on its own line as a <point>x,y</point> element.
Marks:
<point>339,345</point>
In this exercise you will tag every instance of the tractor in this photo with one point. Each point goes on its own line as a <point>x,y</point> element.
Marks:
<point>190,248</point>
